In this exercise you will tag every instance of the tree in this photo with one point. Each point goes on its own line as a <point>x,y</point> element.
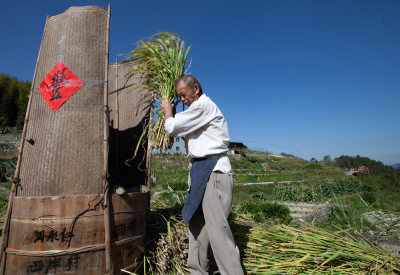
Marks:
<point>13,100</point>
<point>327,158</point>
<point>23,97</point>
<point>375,167</point>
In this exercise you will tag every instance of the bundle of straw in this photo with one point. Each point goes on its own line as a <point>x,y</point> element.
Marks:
<point>172,250</point>
<point>276,249</point>
<point>288,250</point>
<point>162,60</point>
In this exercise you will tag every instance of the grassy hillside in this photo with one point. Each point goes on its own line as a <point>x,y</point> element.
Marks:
<point>263,178</point>
<point>270,241</point>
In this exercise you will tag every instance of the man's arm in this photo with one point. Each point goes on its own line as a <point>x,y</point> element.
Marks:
<point>166,107</point>
<point>185,122</point>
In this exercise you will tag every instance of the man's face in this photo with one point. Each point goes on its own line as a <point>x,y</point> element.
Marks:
<point>186,94</point>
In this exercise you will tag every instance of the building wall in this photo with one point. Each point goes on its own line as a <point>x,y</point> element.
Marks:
<point>177,148</point>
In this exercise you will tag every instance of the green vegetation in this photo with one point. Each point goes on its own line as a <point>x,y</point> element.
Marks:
<point>315,191</point>
<point>269,240</point>
<point>252,169</point>
<point>13,101</point>
<point>282,249</point>
<point>266,212</point>
<point>293,180</point>
<point>7,168</point>
<point>375,167</point>
<point>347,212</point>
<point>3,205</point>
<point>170,170</point>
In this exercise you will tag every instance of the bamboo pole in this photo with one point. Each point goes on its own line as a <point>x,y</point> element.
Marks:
<point>148,153</point>
<point>117,96</point>
<point>14,187</point>
<point>107,201</point>
<point>116,118</point>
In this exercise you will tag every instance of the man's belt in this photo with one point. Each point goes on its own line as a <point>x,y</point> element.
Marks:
<point>209,156</point>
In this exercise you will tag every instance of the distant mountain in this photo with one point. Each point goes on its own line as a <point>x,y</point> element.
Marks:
<point>396,166</point>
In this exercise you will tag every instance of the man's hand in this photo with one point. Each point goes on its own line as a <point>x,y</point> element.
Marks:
<point>166,107</point>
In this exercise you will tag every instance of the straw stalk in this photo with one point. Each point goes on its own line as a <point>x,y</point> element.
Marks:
<point>287,250</point>
<point>161,61</point>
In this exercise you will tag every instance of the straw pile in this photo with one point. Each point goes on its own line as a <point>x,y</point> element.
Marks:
<point>171,250</point>
<point>162,60</point>
<point>287,250</point>
<point>282,249</point>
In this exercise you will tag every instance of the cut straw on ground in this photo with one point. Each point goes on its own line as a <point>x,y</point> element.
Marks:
<point>284,249</point>
<point>281,249</point>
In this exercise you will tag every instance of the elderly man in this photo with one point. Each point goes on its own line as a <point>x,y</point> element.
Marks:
<point>209,196</point>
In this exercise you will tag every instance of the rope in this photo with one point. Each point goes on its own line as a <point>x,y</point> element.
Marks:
<point>100,202</point>
<point>88,248</point>
<point>17,182</point>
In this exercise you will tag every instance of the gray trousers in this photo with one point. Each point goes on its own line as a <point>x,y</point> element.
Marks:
<point>209,226</point>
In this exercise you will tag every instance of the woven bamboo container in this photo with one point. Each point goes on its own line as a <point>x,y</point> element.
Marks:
<point>129,113</point>
<point>63,217</point>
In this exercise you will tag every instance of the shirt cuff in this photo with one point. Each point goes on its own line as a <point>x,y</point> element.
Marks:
<point>169,125</point>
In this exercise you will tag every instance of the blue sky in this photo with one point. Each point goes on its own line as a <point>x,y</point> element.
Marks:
<point>311,78</point>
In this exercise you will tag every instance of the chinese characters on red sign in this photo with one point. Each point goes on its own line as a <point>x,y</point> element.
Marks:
<point>59,84</point>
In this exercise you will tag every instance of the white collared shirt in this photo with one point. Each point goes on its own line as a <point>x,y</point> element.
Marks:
<point>205,131</point>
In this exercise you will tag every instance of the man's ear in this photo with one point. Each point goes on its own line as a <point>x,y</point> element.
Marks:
<point>196,88</point>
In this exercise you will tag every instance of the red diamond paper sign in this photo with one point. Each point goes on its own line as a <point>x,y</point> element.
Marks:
<point>59,84</point>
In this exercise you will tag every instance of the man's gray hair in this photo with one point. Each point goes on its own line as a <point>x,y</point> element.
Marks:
<point>190,81</point>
